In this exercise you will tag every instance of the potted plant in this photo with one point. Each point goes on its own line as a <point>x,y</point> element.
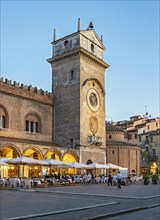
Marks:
<point>155,178</point>
<point>146,179</point>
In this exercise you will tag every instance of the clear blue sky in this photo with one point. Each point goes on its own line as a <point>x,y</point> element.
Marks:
<point>131,35</point>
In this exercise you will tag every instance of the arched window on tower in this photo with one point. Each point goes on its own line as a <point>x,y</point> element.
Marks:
<point>110,136</point>
<point>92,48</point>
<point>66,44</point>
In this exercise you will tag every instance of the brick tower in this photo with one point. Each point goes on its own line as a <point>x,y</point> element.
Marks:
<point>78,86</point>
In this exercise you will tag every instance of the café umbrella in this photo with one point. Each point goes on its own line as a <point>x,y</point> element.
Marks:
<point>53,162</point>
<point>96,166</point>
<point>26,161</point>
<point>3,164</point>
<point>4,159</point>
<point>112,166</point>
<point>79,165</point>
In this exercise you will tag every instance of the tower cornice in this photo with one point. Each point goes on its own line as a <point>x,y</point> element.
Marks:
<point>80,51</point>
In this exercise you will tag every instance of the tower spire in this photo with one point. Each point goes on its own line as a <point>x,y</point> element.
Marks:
<point>79,24</point>
<point>54,35</point>
<point>102,38</point>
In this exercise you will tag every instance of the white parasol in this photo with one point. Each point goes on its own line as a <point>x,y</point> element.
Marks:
<point>79,165</point>
<point>26,161</point>
<point>3,164</point>
<point>96,166</point>
<point>112,166</point>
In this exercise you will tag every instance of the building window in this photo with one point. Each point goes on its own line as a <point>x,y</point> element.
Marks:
<point>72,75</point>
<point>66,44</point>
<point>3,118</point>
<point>148,127</point>
<point>92,48</point>
<point>140,139</point>
<point>112,151</point>
<point>156,124</point>
<point>36,125</point>
<point>71,142</point>
<point>110,136</point>
<point>135,136</point>
<point>3,121</point>
<point>27,125</point>
<point>129,136</point>
<point>32,124</point>
<point>147,139</point>
<point>151,139</point>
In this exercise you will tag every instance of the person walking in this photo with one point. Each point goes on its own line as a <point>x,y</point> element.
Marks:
<point>109,179</point>
<point>119,178</point>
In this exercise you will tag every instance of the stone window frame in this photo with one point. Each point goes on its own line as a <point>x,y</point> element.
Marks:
<point>110,136</point>
<point>72,74</point>
<point>92,48</point>
<point>32,123</point>
<point>66,44</point>
<point>4,118</point>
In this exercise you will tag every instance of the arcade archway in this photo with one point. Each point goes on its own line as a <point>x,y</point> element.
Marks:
<point>10,152</point>
<point>32,171</point>
<point>70,157</point>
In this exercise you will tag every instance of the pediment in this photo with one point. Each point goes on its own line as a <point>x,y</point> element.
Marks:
<point>92,36</point>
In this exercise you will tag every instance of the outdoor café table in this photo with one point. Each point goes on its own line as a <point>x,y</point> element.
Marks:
<point>3,182</point>
<point>28,183</point>
<point>14,182</point>
<point>36,182</point>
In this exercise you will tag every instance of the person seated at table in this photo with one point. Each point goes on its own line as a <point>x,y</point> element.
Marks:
<point>47,174</point>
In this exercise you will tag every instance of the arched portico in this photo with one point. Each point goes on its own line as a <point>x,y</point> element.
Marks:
<point>54,154</point>
<point>32,171</point>
<point>9,151</point>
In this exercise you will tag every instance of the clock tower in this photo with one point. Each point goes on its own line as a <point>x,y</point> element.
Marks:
<point>78,86</point>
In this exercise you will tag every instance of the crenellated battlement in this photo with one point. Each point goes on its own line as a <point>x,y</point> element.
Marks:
<point>20,89</point>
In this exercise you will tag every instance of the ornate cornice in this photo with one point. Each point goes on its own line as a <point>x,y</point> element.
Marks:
<point>76,52</point>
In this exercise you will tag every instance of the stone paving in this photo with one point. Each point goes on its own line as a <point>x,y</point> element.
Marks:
<point>75,202</point>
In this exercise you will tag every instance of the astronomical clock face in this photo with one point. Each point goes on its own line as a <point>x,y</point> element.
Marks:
<point>93,100</point>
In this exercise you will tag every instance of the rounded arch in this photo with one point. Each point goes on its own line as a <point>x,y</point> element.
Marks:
<point>33,152</point>
<point>9,151</point>
<point>89,162</point>
<point>70,156</point>
<point>5,115</point>
<point>33,118</point>
<point>133,172</point>
<point>97,81</point>
<point>54,154</point>
<point>92,48</point>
